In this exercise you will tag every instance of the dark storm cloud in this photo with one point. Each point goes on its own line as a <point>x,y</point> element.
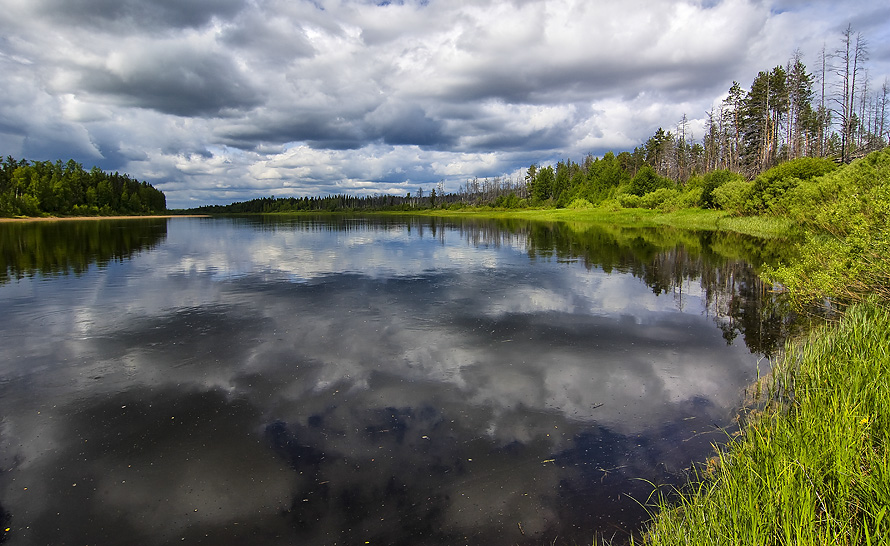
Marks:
<point>319,128</point>
<point>271,41</point>
<point>405,124</point>
<point>177,80</point>
<point>390,123</point>
<point>155,14</point>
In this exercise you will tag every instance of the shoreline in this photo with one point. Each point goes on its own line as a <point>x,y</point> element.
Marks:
<point>68,218</point>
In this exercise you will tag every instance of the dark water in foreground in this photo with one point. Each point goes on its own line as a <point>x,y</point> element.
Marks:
<point>350,381</point>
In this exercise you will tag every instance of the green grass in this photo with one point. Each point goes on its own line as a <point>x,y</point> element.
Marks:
<point>765,227</point>
<point>695,219</point>
<point>813,467</point>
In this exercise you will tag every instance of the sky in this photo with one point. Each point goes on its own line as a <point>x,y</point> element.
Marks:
<point>217,101</point>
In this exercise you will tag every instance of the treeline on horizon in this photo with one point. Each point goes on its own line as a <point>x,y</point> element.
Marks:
<point>780,118</point>
<point>46,188</point>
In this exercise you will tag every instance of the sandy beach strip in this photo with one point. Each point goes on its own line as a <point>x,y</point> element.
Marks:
<point>75,218</point>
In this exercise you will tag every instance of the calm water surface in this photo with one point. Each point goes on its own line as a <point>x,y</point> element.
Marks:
<point>353,381</point>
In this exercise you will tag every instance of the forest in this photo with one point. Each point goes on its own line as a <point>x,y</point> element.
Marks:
<point>44,188</point>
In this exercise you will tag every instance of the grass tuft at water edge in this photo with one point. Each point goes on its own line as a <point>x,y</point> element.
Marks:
<point>813,467</point>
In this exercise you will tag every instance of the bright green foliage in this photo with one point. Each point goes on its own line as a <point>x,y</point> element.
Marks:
<point>46,188</point>
<point>730,192</point>
<point>846,253</point>
<point>580,204</point>
<point>711,182</point>
<point>655,199</point>
<point>814,466</point>
<point>692,197</point>
<point>630,200</point>
<point>771,186</point>
<point>733,196</point>
<point>510,201</point>
<point>604,176</point>
<point>542,185</point>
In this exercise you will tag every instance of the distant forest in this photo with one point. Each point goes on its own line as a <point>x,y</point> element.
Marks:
<point>45,188</point>
<point>788,113</point>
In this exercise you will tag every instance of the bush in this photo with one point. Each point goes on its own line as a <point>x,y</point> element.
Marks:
<point>688,199</point>
<point>629,200</point>
<point>580,204</point>
<point>711,182</point>
<point>655,198</point>
<point>771,186</point>
<point>510,201</point>
<point>832,201</point>
<point>733,196</point>
<point>846,253</point>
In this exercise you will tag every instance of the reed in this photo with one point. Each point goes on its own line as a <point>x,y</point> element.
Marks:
<point>813,467</point>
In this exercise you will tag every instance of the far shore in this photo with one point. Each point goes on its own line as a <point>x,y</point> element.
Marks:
<point>66,218</point>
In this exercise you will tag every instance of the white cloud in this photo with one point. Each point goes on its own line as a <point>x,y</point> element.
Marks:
<point>390,96</point>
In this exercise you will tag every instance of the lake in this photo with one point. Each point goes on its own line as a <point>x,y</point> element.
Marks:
<point>348,380</point>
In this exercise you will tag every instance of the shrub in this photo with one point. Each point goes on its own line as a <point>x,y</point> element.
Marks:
<point>733,196</point>
<point>580,204</point>
<point>846,254</point>
<point>832,201</point>
<point>771,186</point>
<point>629,200</point>
<point>688,199</point>
<point>655,198</point>
<point>711,182</point>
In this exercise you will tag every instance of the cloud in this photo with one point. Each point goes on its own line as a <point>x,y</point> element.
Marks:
<point>123,15</point>
<point>527,81</point>
<point>400,124</point>
<point>178,77</point>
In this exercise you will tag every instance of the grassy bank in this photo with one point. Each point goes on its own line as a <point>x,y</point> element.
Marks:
<point>814,466</point>
<point>695,219</point>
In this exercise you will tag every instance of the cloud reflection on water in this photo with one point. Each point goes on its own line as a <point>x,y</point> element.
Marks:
<point>403,387</point>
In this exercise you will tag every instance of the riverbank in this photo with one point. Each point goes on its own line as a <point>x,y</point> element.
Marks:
<point>696,219</point>
<point>766,227</point>
<point>814,466</point>
<point>693,219</point>
<point>72,218</point>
